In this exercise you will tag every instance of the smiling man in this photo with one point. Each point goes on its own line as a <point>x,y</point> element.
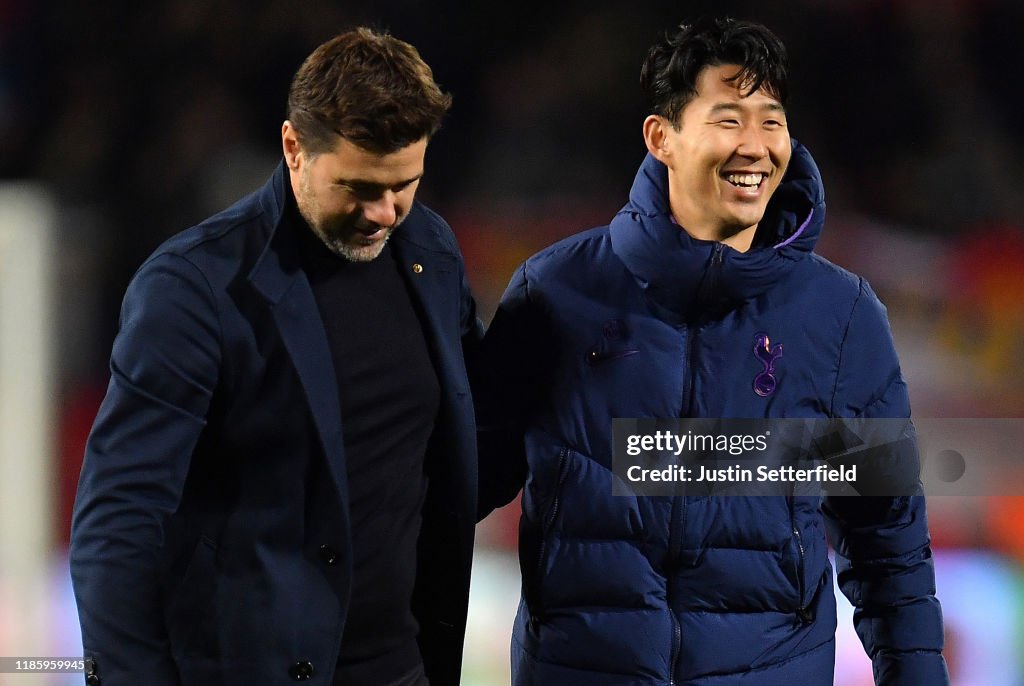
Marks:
<point>281,482</point>
<point>726,153</point>
<point>353,199</point>
<point>702,298</point>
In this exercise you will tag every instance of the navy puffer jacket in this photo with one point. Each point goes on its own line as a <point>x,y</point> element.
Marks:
<point>638,319</point>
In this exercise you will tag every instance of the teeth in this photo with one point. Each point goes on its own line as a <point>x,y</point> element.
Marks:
<point>748,180</point>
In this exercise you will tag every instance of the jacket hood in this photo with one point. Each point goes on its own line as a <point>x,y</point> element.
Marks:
<point>673,267</point>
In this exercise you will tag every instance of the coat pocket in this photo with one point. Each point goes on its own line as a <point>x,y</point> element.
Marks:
<point>190,612</point>
<point>798,563</point>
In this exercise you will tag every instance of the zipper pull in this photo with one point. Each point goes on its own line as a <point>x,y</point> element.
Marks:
<point>716,256</point>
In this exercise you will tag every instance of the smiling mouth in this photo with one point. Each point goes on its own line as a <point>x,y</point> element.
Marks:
<point>369,238</point>
<point>368,230</point>
<point>746,181</point>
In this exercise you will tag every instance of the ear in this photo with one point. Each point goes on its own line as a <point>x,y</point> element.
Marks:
<point>291,146</point>
<point>656,137</point>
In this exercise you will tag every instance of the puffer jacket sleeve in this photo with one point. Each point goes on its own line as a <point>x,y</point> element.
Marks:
<point>884,558</point>
<point>509,373</point>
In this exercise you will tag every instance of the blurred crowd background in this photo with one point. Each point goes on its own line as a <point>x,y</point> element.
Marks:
<point>138,120</point>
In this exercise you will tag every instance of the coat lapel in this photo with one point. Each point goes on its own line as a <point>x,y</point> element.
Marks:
<point>433,279</point>
<point>279,278</point>
<point>428,275</point>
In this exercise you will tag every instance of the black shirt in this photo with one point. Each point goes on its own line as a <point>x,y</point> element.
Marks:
<point>389,397</point>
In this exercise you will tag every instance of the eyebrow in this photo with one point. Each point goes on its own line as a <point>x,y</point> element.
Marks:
<point>373,185</point>
<point>734,107</point>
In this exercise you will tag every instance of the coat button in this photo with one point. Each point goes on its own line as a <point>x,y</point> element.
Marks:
<point>301,671</point>
<point>328,555</point>
<point>417,268</point>
<point>92,676</point>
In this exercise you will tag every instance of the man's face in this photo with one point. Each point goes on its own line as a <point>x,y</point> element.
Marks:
<point>727,158</point>
<point>352,198</point>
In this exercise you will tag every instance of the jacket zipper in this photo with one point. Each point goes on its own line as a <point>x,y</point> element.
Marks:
<point>676,646</point>
<point>546,525</point>
<point>689,401</point>
<point>800,569</point>
<point>675,533</point>
<point>707,288</point>
<point>688,379</point>
<point>802,612</point>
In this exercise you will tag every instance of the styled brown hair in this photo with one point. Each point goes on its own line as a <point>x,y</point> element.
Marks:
<point>370,88</point>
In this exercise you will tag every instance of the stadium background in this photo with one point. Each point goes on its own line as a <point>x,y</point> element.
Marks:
<point>135,120</point>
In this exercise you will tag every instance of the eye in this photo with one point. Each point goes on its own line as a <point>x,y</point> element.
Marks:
<point>728,122</point>
<point>774,123</point>
<point>361,192</point>
<point>368,193</point>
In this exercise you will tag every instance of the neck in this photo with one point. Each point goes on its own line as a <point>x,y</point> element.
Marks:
<point>737,239</point>
<point>741,240</point>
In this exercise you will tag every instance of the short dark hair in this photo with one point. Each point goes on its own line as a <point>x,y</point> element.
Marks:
<point>368,87</point>
<point>670,71</point>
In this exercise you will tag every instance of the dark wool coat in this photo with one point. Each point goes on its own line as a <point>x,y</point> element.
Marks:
<point>210,541</point>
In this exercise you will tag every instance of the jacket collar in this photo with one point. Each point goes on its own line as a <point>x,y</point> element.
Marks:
<point>277,265</point>
<point>274,270</point>
<point>673,267</point>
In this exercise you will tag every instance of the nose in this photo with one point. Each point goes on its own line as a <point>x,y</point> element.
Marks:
<point>381,211</point>
<point>752,143</point>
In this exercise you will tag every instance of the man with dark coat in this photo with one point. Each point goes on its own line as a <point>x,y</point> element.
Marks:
<point>280,485</point>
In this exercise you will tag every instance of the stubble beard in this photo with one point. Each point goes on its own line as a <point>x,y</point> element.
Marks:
<point>350,251</point>
<point>336,242</point>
